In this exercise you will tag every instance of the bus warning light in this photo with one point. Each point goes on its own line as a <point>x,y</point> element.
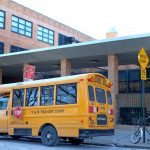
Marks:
<point>92,109</point>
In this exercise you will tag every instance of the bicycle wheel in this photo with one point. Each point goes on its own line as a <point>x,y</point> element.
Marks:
<point>136,135</point>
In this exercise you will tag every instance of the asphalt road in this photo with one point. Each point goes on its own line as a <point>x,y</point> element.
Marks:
<point>34,144</point>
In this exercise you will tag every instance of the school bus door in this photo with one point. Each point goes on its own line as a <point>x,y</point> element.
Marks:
<point>4,113</point>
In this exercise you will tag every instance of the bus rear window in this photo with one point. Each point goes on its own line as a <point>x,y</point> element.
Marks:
<point>100,95</point>
<point>91,93</point>
<point>109,99</point>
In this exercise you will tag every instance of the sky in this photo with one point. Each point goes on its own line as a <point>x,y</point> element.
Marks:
<point>97,17</point>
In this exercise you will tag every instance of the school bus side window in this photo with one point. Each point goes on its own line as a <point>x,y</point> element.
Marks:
<point>46,95</point>
<point>31,96</point>
<point>109,97</point>
<point>66,94</point>
<point>91,93</point>
<point>3,102</point>
<point>18,98</point>
<point>100,95</point>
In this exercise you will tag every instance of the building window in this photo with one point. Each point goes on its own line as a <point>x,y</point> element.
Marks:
<point>2,19</point>
<point>134,81</point>
<point>123,85</point>
<point>104,72</point>
<point>21,26</point>
<point>45,35</point>
<point>63,40</point>
<point>16,49</point>
<point>66,94</point>
<point>1,48</point>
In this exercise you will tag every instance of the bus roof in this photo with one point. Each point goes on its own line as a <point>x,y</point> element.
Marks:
<point>65,78</point>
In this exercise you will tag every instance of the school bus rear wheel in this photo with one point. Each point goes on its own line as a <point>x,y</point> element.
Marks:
<point>49,136</point>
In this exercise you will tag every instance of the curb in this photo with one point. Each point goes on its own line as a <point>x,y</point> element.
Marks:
<point>118,145</point>
<point>124,126</point>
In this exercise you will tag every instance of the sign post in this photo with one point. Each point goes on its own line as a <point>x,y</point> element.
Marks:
<point>143,60</point>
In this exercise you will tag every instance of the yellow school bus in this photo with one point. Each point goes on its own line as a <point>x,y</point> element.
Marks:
<point>72,108</point>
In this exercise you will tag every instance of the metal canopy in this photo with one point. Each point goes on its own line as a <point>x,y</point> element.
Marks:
<point>81,55</point>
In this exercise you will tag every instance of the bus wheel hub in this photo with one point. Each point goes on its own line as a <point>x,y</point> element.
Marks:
<point>49,136</point>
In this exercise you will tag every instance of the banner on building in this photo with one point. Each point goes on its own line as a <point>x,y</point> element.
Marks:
<point>29,72</point>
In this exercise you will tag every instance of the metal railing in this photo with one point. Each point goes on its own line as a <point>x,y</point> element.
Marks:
<point>130,108</point>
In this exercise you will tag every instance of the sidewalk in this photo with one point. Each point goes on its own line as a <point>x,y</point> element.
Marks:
<point>120,139</point>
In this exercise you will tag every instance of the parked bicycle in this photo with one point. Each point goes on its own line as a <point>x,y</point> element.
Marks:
<point>137,134</point>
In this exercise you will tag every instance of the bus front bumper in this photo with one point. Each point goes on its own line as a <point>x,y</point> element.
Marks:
<point>86,133</point>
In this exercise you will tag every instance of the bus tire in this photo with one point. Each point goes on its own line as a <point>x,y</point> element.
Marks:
<point>75,141</point>
<point>49,136</point>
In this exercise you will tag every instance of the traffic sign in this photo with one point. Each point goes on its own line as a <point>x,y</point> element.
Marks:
<point>18,112</point>
<point>143,58</point>
<point>143,74</point>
